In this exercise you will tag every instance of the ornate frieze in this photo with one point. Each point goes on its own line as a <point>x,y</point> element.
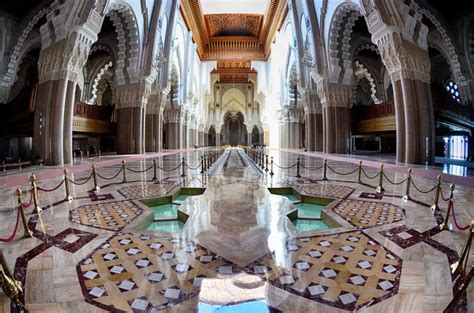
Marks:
<point>133,95</point>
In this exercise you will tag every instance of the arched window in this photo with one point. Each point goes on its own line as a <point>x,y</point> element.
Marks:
<point>453,90</point>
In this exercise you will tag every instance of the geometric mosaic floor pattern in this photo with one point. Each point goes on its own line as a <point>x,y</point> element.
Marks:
<point>139,273</point>
<point>148,191</point>
<point>327,191</point>
<point>368,214</point>
<point>108,215</point>
<point>347,270</point>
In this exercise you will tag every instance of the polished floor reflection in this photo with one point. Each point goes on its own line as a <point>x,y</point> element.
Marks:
<point>238,249</point>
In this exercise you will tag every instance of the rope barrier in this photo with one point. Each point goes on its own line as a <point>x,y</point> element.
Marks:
<point>140,171</point>
<point>110,178</point>
<point>26,206</point>
<point>311,169</point>
<point>81,183</point>
<point>455,221</point>
<point>342,174</point>
<point>442,195</point>
<point>193,168</point>
<point>422,191</point>
<point>393,182</point>
<point>53,189</point>
<point>170,169</point>
<point>369,177</point>
<point>285,167</point>
<point>10,238</point>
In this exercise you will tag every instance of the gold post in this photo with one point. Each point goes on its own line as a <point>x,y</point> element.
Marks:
<point>94,176</point>
<point>271,168</point>
<point>37,208</point>
<point>435,206</point>
<point>445,224</point>
<point>154,170</point>
<point>11,287</point>
<point>266,163</point>
<point>66,187</point>
<point>359,178</point>
<point>27,233</point>
<point>124,174</point>
<point>325,169</point>
<point>183,168</point>
<point>457,267</point>
<point>298,168</point>
<point>406,197</point>
<point>202,165</point>
<point>380,188</point>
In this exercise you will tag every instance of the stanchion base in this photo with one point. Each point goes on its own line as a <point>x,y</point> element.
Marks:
<point>97,189</point>
<point>28,234</point>
<point>406,198</point>
<point>38,210</point>
<point>379,189</point>
<point>69,199</point>
<point>435,207</point>
<point>298,176</point>
<point>444,226</point>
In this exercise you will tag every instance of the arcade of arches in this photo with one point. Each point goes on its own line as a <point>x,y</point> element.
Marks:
<point>168,82</point>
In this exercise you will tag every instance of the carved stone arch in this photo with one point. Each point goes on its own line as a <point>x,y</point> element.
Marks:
<point>340,31</point>
<point>362,72</point>
<point>126,27</point>
<point>15,56</point>
<point>30,45</point>
<point>364,46</point>
<point>447,47</point>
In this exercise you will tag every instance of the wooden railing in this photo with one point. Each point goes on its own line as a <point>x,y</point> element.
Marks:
<point>368,112</point>
<point>96,112</point>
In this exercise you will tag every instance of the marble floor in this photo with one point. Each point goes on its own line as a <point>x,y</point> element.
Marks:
<point>238,250</point>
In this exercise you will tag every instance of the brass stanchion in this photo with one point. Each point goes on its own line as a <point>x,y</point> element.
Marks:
<point>94,177</point>
<point>208,161</point>
<point>359,176</point>
<point>124,172</point>
<point>457,267</point>
<point>154,170</point>
<point>27,232</point>
<point>34,188</point>
<point>445,224</point>
<point>271,168</point>
<point>406,197</point>
<point>325,169</point>
<point>19,164</point>
<point>266,163</point>
<point>298,168</point>
<point>183,168</point>
<point>380,188</point>
<point>202,165</point>
<point>435,206</point>
<point>66,187</point>
<point>11,287</point>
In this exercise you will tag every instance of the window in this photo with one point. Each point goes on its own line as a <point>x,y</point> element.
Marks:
<point>453,90</point>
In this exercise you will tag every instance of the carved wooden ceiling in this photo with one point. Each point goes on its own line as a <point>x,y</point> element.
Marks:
<point>233,71</point>
<point>243,25</point>
<point>234,36</point>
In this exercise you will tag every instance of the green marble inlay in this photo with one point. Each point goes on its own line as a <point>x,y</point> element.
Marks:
<point>174,226</point>
<point>303,225</point>
<point>309,210</point>
<point>166,211</point>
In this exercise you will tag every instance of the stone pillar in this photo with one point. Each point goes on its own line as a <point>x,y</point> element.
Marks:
<point>218,137</point>
<point>318,132</point>
<point>131,120</point>
<point>310,131</point>
<point>335,100</point>
<point>58,67</point>
<point>409,67</point>
<point>68,119</point>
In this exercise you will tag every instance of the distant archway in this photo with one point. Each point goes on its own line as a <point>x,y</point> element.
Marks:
<point>234,130</point>
<point>211,137</point>
<point>256,136</point>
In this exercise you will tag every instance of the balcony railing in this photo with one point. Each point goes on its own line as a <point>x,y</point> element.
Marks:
<point>96,112</point>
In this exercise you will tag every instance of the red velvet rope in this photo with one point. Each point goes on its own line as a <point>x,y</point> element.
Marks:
<point>26,206</point>
<point>10,238</point>
<point>454,218</point>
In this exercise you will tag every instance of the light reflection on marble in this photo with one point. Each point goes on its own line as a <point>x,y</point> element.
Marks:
<point>237,217</point>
